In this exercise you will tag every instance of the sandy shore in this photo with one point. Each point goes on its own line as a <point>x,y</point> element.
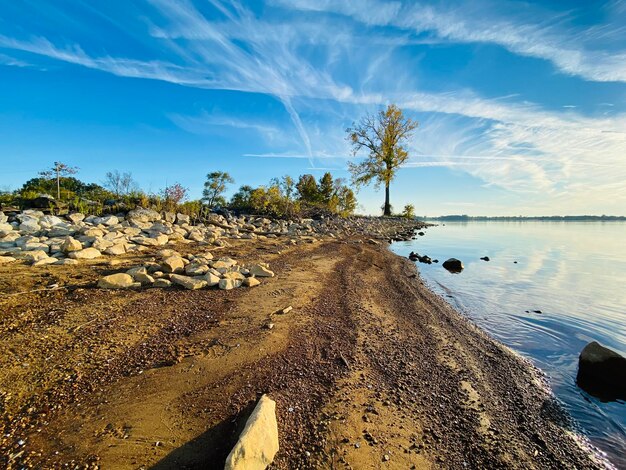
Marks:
<point>369,370</point>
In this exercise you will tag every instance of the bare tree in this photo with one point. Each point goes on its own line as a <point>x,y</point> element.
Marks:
<point>119,183</point>
<point>382,136</point>
<point>58,170</point>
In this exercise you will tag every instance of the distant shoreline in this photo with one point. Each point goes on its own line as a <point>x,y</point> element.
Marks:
<point>554,218</point>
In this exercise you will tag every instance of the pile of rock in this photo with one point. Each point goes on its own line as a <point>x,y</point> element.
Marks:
<point>47,239</point>
<point>191,272</point>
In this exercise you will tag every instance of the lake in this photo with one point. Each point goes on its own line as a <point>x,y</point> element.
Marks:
<point>573,272</point>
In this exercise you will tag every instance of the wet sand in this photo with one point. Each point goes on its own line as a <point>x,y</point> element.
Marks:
<point>369,370</point>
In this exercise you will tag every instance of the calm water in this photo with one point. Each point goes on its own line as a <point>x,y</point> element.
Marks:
<point>575,273</point>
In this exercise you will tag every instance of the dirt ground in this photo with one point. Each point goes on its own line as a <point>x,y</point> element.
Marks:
<point>369,370</point>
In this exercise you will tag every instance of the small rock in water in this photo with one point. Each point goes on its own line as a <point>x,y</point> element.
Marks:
<point>485,258</point>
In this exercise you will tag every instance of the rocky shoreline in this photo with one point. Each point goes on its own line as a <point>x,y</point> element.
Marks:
<point>367,366</point>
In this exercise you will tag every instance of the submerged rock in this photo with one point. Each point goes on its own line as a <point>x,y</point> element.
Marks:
<point>453,265</point>
<point>602,372</point>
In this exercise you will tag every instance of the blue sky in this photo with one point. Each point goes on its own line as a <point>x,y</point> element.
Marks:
<point>521,105</point>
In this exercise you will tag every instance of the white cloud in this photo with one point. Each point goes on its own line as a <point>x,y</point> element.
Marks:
<point>562,156</point>
<point>572,51</point>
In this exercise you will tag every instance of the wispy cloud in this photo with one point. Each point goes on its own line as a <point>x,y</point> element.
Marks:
<point>320,71</point>
<point>572,51</point>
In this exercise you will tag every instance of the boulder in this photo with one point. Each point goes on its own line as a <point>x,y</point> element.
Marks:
<point>187,282</point>
<point>118,249</point>
<point>141,214</point>
<point>107,220</point>
<point>66,262</point>
<point>71,244</point>
<point>6,259</point>
<point>258,442</point>
<point>116,281</point>
<point>162,283</point>
<point>259,270</point>
<point>602,372</point>
<point>453,265</point>
<point>251,282</point>
<point>196,268</point>
<point>144,278</point>
<point>30,225</point>
<point>224,263</point>
<point>87,253</point>
<point>35,255</point>
<point>45,261</point>
<point>173,264</point>
<point>228,284</point>
<point>212,279</point>
<point>76,217</point>
<point>182,219</point>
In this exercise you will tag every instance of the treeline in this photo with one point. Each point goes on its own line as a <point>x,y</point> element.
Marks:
<point>563,218</point>
<point>58,190</point>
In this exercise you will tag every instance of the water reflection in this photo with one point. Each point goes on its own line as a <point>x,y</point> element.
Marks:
<point>573,272</point>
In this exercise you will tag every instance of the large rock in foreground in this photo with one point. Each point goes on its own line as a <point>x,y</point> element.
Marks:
<point>453,265</point>
<point>602,372</point>
<point>258,443</point>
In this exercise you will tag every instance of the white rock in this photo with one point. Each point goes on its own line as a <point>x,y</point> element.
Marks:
<point>228,284</point>
<point>173,264</point>
<point>118,249</point>
<point>259,270</point>
<point>188,282</point>
<point>182,219</point>
<point>258,443</point>
<point>144,278</point>
<point>141,214</point>
<point>71,244</point>
<point>35,255</point>
<point>116,281</point>
<point>196,268</point>
<point>76,217</point>
<point>66,262</point>
<point>30,225</point>
<point>251,282</point>
<point>212,279</point>
<point>87,253</point>
<point>45,261</point>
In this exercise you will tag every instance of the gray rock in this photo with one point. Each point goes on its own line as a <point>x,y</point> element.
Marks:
<point>162,283</point>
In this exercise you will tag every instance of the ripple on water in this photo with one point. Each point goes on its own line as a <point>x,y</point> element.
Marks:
<point>573,272</point>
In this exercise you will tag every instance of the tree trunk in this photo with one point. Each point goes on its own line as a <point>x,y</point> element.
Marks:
<point>387,205</point>
<point>58,186</point>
